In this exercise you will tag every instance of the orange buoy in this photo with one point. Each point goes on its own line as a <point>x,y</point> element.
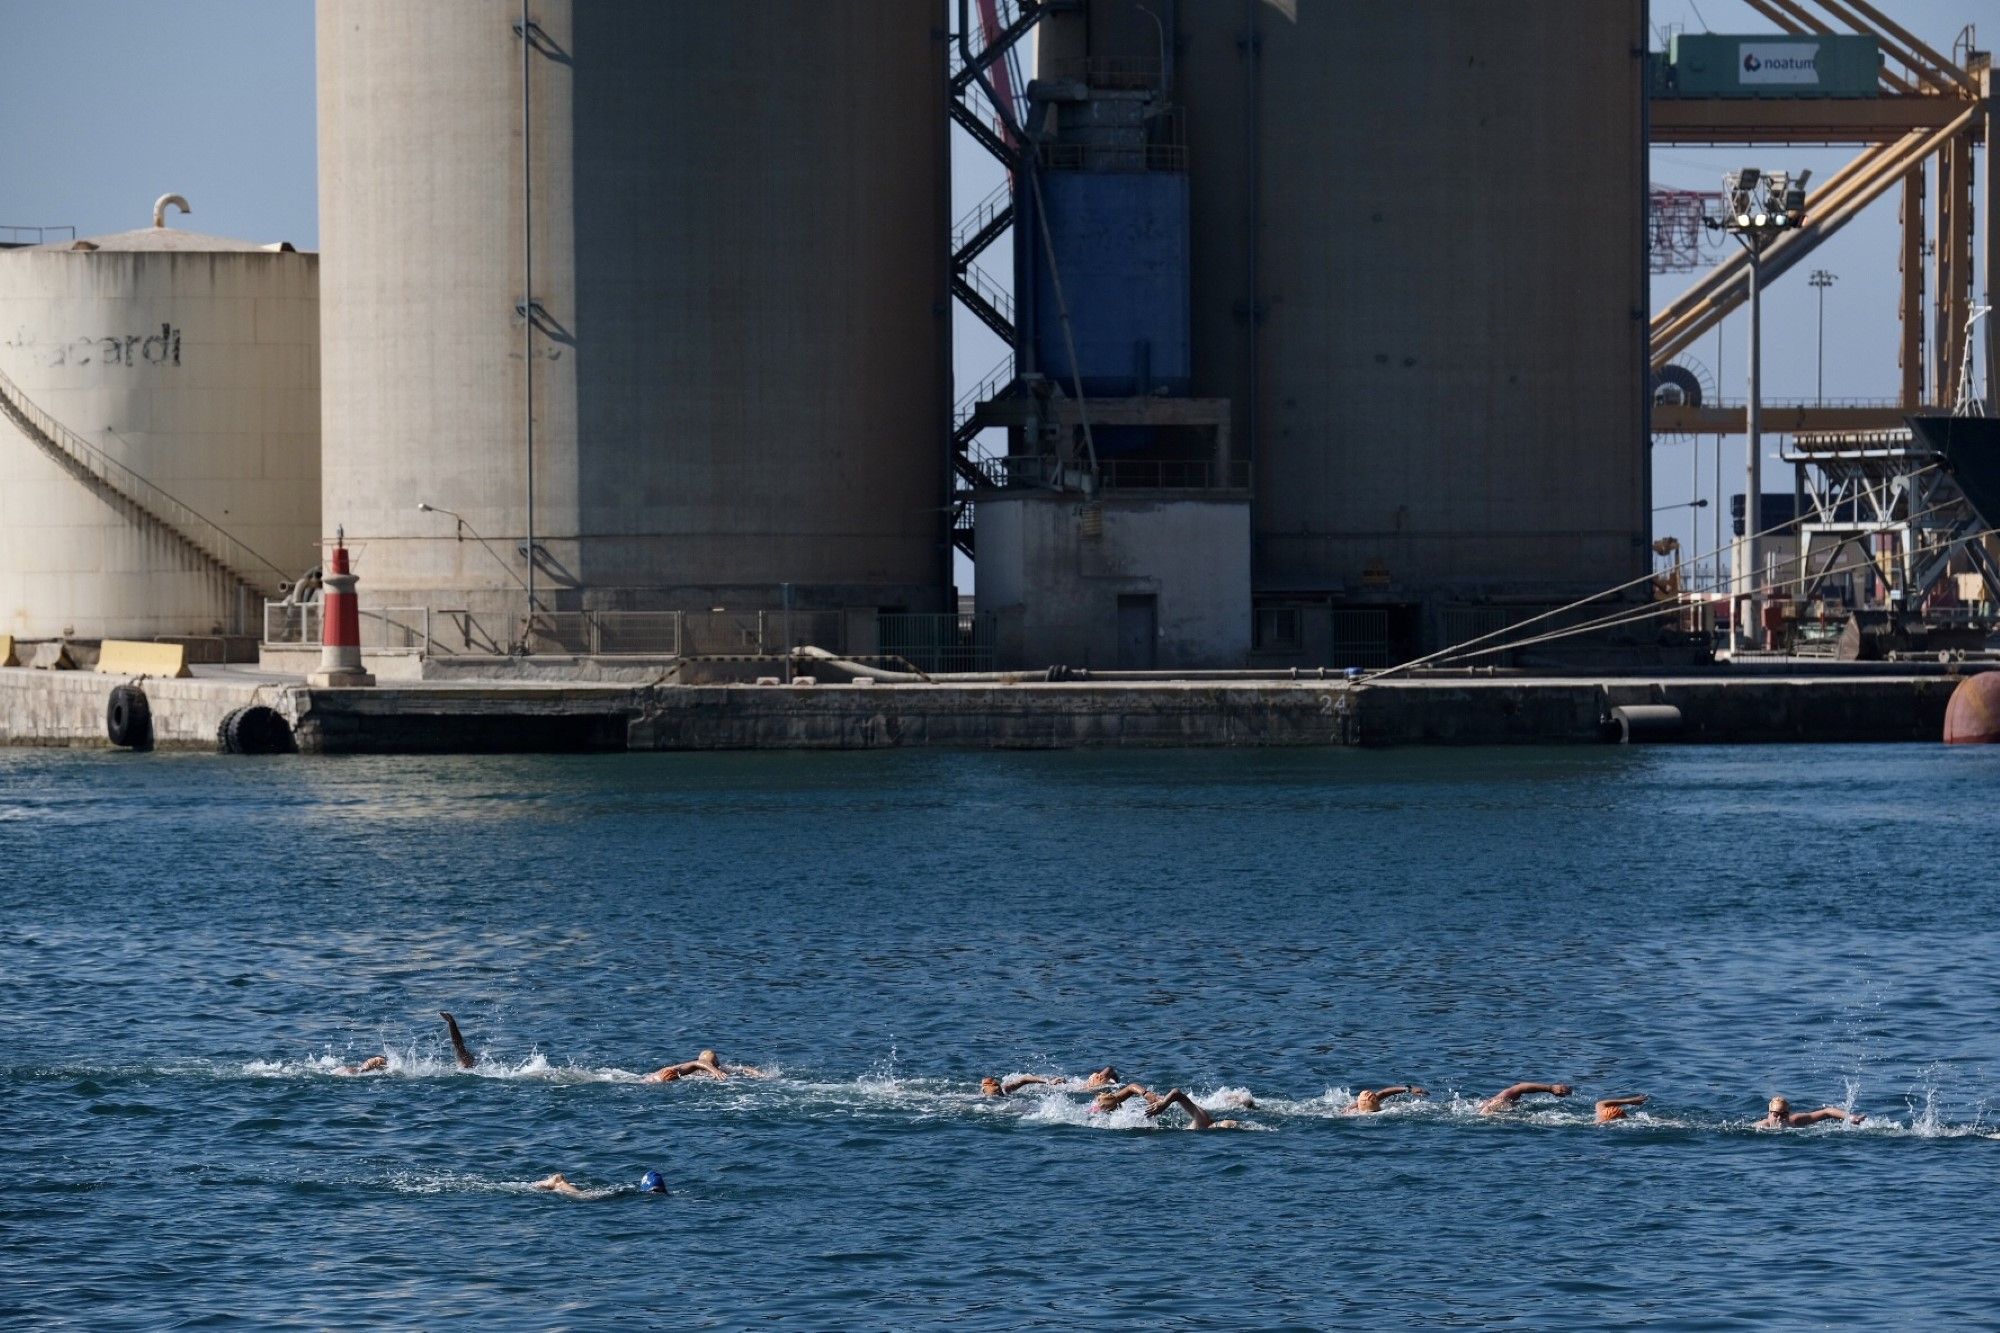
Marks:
<point>1973,715</point>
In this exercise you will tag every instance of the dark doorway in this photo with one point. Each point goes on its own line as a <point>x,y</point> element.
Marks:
<point>1138,631</point>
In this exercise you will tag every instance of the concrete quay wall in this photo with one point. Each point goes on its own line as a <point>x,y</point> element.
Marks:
<point>67,708</point>
<point>1106,715</point>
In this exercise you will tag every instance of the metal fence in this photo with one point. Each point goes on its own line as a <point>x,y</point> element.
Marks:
<point>604,634</point>
<point>938,643</point>
<point>384,629</point>
<point>1361,637</point>
<point>928,642</point>
<point>1020,471</point>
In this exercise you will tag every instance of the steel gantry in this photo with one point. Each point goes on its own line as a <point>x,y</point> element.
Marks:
<point>1927,119</point>
<point>1892,495</point>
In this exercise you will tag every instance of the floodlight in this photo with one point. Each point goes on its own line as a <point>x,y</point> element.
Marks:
<point>1747,178</point>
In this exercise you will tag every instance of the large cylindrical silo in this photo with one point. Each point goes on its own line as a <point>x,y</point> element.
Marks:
<point>727,236</point>
<point>1419,276</point>
<point>159,433</point>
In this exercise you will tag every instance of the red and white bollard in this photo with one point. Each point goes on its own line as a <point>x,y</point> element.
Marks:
<point>340,624</point>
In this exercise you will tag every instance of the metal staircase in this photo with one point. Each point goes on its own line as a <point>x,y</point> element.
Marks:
<point>985,97</point>
<point>138,498</point>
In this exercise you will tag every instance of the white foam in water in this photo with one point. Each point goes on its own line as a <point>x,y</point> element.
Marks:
<point>885,1090</point>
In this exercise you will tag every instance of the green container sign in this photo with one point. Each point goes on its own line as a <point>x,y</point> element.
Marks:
<point>1772,65</point>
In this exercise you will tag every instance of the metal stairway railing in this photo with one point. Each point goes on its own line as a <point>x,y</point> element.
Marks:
<point>122,486</point>
<point>982,223</point>
<point>987,299</point>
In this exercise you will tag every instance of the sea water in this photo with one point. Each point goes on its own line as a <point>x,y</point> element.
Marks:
<point>193,948</point>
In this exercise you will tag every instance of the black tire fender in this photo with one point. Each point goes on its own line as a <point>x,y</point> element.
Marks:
<point>255,729</point>
<point>128,718</point>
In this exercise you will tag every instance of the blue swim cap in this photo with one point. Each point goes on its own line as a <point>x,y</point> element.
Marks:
<point>652,1183</point>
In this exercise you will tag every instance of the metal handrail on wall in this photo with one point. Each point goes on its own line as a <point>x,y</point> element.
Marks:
<point>93,466</point>
<point>1029,471</point>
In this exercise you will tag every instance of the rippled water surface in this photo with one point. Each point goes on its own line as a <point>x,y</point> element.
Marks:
<point>192,947</point>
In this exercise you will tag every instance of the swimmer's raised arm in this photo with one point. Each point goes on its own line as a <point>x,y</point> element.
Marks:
<point>1197,1118</point>
<point>1504,1099</point>
<point>1369,1100</point>
<point>1111,1101</point>
<point>1008,1087</point>
<point>1613,1108</point>
<point>668,1073</point>
<point>1782,1116</point>
<point>1802,1118</point>
<point>458,1046</point>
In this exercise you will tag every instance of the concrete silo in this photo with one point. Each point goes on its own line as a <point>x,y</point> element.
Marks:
<point>1419,280</point>
<point>725,249</point>
<point>159,433</point>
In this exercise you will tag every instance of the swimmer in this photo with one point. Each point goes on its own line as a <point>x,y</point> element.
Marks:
<point>558,1183</point>
<point>1505,1099</point>
<point>466,1060</point>
<point>1106,1102</point>
<point>1613,1108</point>
<point>704,1065</point>
<point>374,1064</point>
<point>1111,1099</point>
<point>1197,1118</point>
<point>993,1087</point>
<point>1782,1116</point>
<point>1369,1101</point>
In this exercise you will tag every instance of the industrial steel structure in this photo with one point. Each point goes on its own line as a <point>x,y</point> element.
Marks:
<point>1438,384</point>
<point>1918,125</point>
<point>159,432</point>
<point>651,298</point>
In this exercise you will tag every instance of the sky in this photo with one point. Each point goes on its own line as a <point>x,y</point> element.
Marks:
<point>109,105</point>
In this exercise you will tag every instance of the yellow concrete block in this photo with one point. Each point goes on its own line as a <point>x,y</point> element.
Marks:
<point>127,657</point>
<point>7,651</point>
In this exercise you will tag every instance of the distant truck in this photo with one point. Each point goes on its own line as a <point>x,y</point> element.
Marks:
<point>1709,64</point>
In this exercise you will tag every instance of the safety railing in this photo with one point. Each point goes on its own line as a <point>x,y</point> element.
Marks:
<point>934,643</point>
<point>458,631</point>
<point>982,215</point>
<point>99,470</point>
<point>1360,637</point>
<point>291,623</point>
<point>605,633</point>
<point>383,629</point>
<point>1034,471</point>
<point>988,388</point>
<point>1103,72</point>
<point>989,290</point>
<point>12,233</point>
<point>1114,157</point>
<point>1174,474</point>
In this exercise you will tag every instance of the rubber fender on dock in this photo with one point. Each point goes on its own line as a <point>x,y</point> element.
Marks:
<point>1633,723</point>
<point>128,718</point>
<point>254,729</point>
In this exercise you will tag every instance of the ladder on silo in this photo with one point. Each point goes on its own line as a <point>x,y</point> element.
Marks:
<point>138,498</point>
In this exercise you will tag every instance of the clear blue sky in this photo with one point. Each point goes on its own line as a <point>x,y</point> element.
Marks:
<point>110,104</point>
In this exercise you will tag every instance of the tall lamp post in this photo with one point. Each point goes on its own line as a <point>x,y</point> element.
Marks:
<point>1821,280</point>
<point>1759,207</point>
